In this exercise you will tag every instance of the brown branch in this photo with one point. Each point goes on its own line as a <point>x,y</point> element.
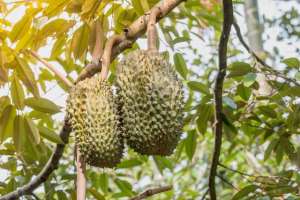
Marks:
<point>66,81</point>
<point>218,90</point>
<point>259,60</point>
<point>131,34</point>
<point>151,192</point>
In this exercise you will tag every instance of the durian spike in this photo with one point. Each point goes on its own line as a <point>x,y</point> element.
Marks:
<point>151,29</point>
<point>107,54</point>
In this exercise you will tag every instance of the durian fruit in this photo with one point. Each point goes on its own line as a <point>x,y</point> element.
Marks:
<point>150,97</point>
<point>92,112</point>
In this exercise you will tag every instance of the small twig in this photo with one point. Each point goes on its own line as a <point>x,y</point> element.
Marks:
<point>259,60</point>
<point>218,92</point>
<point>205,194</point>
<point>151,192</point>
<point>226,181</point>
<point>35,196</point>
<point>52,68</point>
<point>236,171</point>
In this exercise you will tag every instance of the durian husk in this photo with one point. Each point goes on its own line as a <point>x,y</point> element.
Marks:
<point>92,111</point>
<point>150,98</point>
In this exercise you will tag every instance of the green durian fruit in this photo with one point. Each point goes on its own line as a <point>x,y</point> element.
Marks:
<point>150,98</point>
<point>92,111</point>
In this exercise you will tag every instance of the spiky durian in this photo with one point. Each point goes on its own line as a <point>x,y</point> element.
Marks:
<point>92,112</point>
<point>150,97</point>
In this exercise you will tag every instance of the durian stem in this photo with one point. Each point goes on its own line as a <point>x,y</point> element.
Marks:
<point>81,180</point>
<point>113,40</point>
<point>151,29</point>
<point>98,48</point>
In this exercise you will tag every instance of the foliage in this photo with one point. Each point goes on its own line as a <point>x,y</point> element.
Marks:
<point>261,152</point>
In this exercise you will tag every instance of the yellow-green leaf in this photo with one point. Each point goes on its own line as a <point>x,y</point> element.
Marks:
<point>55,7</point>
<point>4,102</point>
<point>31,128</point>
<point>6,122</point>
<point>180,65</point>
<point>50,135</point>
<point>80,41</point>
<point>20,28</point>
<point>19,133</point>
<point>17,93</point>
<point>42,105</point>
<point>26,75</point>
<point>97,195</point>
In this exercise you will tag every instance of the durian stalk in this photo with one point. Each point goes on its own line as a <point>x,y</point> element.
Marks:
<point>151,29</point>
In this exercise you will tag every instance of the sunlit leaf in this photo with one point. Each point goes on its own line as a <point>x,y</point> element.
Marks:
<point>20,28</point>
<point>191,144</point>
<point>292,62</point>
<point>80,41</point>
<point>129,163</point>
<point>31,128</point>
<point>180,65</point>
<point>6,122</point>
<point>239,69</point>
<point>42,105</point>
<point>197,86</point>
<point>25,73</point>
<point>49,135</point>
<point>17,93</point>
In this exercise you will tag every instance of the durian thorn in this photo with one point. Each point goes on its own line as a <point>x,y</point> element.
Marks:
<point>113,40</point>
<point>151,29</point>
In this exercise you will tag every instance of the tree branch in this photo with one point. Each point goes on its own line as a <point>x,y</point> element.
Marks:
<point>67,82</point>
<point>218,90</point>
<point>131,34</point>
<point>151,192</point>
<point>259,60</point>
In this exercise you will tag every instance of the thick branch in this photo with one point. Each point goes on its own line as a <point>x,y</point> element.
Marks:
<point>218,90</point>
<point>151,192</point>
<point>53,69</point>
<point>131,34</point>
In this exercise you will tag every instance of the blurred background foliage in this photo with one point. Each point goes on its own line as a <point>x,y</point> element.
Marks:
<point>261,152</point>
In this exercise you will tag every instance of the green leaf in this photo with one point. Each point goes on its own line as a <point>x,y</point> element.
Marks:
<point>244,192</point>
<point>97,195</point>
<point>124,186</point>
<point>249,79</point>
<point>129,163</point>
<point>162,163</point>
<point>20,28</point>
<point>191,144</point>
<point>205,112</point>
<point>80,41</point>
<point>292,62</point>
<point>42,105</point>
<point>31,128</point>
<point>4,102</point>
<point>239,69</point>
<point>6,122</point>
<point>137,7</point>
<point>55,7</point>
<point>267,111</point>
<point>17,93</point>
<point>180,65</point>
<point>270,148</point>
<point>197,86</point>
<point>243,91</point>
<point>50,135</point>
<point>26,75</point>
<point>104,182</point>
<point>18,133</point>
<point>229,102</point>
